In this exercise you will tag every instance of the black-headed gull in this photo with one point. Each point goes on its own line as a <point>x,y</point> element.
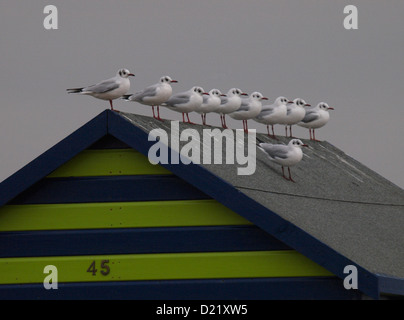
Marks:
<point>210,103</point>
<point>186,102</point>
<point>273,114</point>
<point>154,95</point>
<point>250,108</point>
<point>109,89</point>
<point>295,113</point>
<point>230,102</point>
<point>285,155</point>
<point>316,117</point>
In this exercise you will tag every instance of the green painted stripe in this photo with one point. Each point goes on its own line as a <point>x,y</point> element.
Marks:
<point>108,162</point>
<point>249,264</point>
<point>117,215</point>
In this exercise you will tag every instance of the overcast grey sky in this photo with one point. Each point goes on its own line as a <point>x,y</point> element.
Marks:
<point>296,48</point>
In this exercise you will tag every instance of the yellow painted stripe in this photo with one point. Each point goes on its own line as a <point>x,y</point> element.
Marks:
<point>117,215</point>
<point>108,162</point>
<point>250,264</point>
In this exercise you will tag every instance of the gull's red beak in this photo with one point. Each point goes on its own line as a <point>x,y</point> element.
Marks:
<point>330,108</point>
<point>173,81</point>
<point>206,93</point>
<point>307,105</point>
<point>290,101</point>
<point>305,145</point>
<point>244,94</point>
<point>264,98</point>
<point>131,74</point>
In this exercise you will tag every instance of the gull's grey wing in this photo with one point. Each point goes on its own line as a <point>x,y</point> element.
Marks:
<point>275,151</point>
<point>102,87</point>
<point>266,111</point>
<point>310,116</point>
<point>224,100</point>
<point>148,92</point>
<point>178,99</point>
<point>289,110</point>
<point>244,105</point>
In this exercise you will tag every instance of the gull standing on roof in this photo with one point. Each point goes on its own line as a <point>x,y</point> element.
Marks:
<point>273,114</point>
<point>186,102</point>
<point>229,102</point>
<point>210,103</point>
<point>154,95</point>
<point>109,89</point>
<point>295,113</point>
<point>250,108</point>
<point>316,117</point>
<point>285,155</point>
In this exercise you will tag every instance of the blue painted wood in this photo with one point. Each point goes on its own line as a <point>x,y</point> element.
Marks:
<point>136,240</point>
<point>109,189</point>
<point>261,216</point>
<point>309,288</point>
<point>50,160</point>
<point>108,142</point>
<point>391,285</point>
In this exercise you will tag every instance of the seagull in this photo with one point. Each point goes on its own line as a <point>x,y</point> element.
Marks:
<point>273,114</point>
<point>186,102</point>
<point>210,103</point>
<point>316,117</point>
<point>295,113</point>
<point>154,95</point>
<point>250,108</point>
<point>285,155</point>
<point>229,102</point>
<point>109,89</point>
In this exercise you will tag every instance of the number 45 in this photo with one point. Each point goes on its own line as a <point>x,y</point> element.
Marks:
<point>104,266</point>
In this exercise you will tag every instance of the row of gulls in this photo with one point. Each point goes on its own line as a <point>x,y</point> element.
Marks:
<point>288,113</point>
<point>235,103</point>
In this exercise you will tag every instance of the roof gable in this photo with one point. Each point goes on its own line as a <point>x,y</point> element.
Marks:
<point>242,195</point>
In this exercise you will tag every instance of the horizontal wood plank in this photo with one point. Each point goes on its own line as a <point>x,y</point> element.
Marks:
<point>109,189</point>
<point>304,288</point>
<point>105,162</point>
<point>247,264</point>
<point>136,240</point>
<point>117,215</point>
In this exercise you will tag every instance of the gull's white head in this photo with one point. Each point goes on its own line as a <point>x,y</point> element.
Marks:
<point>297,143</point>
<point>124,73</point>
<point>258,96</point>
<point>301,103</point>
<point>324,106</point>
<point>215,92</point>
<point>199,90</point>
<point>282,100</point>
<point>236,92</point>
<point>167,79</point>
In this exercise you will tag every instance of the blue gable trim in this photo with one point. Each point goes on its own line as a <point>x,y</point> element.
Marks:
<point>391,285</point>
